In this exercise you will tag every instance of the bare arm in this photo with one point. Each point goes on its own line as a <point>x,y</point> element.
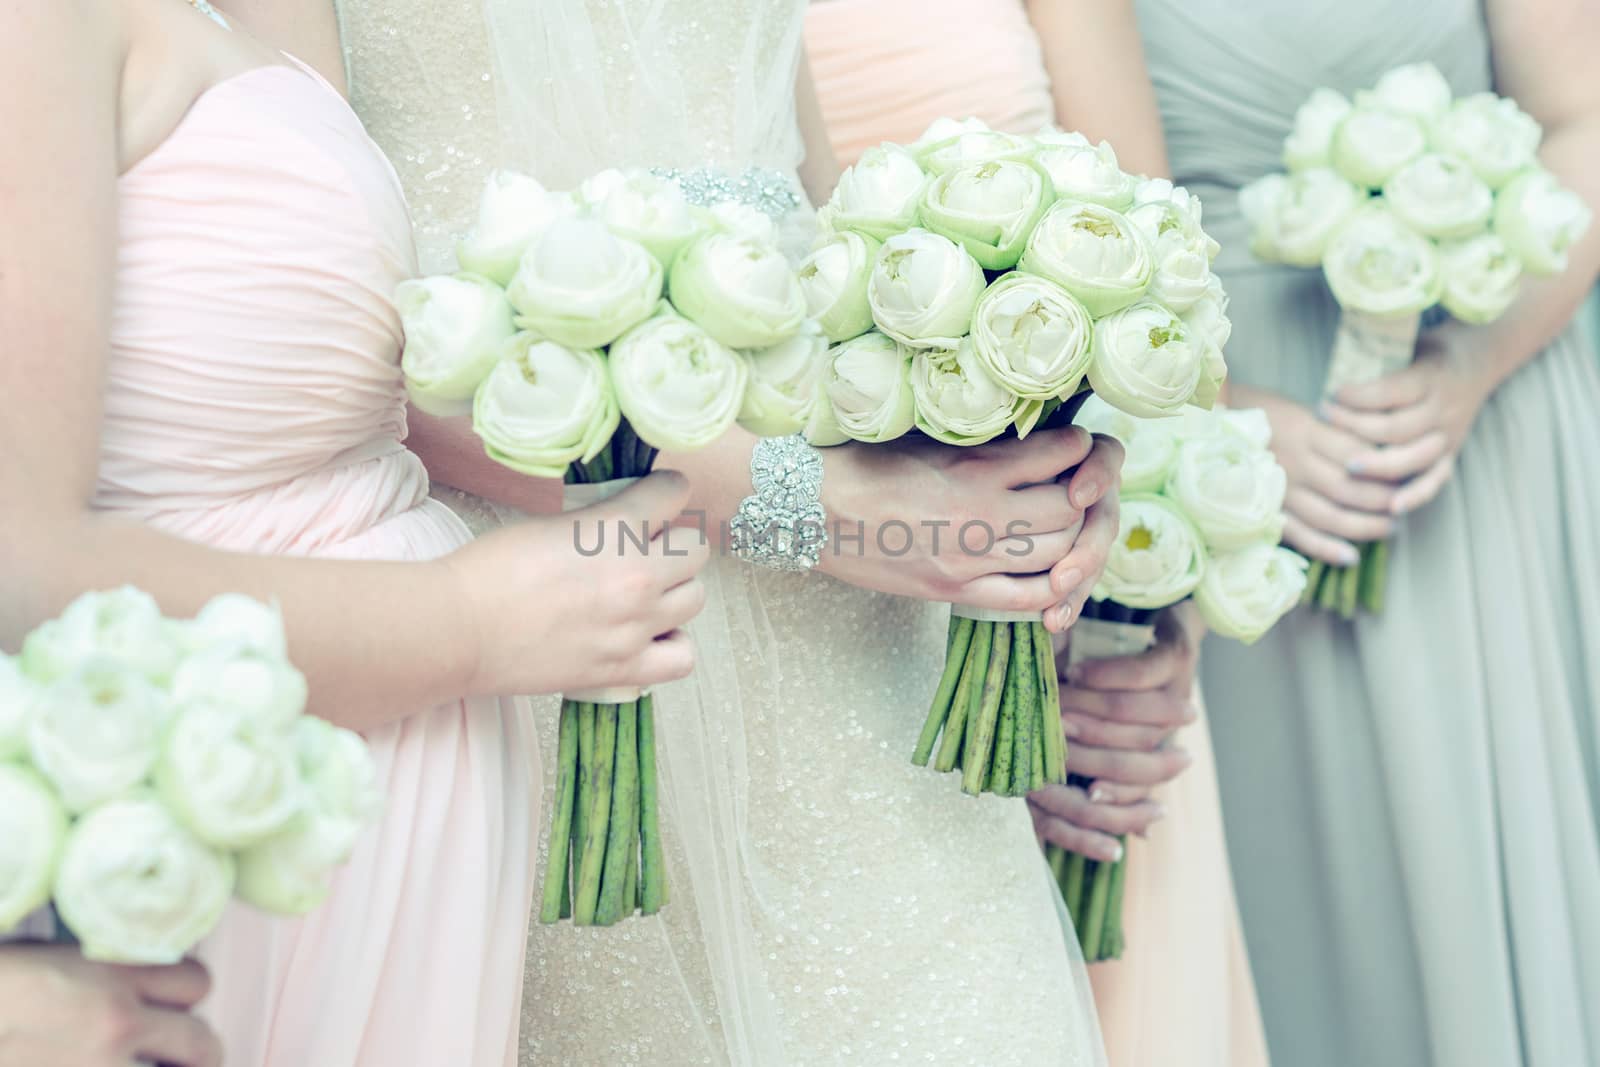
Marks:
<point>306,29</point>
<point>820,170</point>
<point>1095,59</point>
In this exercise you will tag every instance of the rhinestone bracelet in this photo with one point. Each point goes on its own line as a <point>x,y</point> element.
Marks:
<point>782,525</point>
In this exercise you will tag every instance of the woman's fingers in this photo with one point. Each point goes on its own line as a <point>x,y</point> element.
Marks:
<point>1401,389</point>
<point>1129,768</point>
<point>678,606</point>
<point>1420,491</point>
<point>1117,793</point>
<point>1007,592</point>
<point>1397,463</point>
<point>1051,824</point>
<point>1393,427</point>
<point>1098,474</point>
<point>1104,733</point>
<point>1075,576</point>
<point>1040,457</point>
<point>1340,485</point>
<point>666,659</point>
<point>1353,526</point>
<point>1027,555</point>
<point>1309,541</point>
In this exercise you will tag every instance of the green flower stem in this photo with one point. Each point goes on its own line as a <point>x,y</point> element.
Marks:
<point>980,729</point>
<point>1005,733</point>
<point>1056,856</point>
<point>1314,575</point>
<point>584,807</point>
<point>955,658</point>
<point>968,691</point>
<point>652,864</point>
<point>1328,599</point>
<point>1374,571</point>
<point>1055,739</point>
<point>1072,882</point>
<point>587,897</point>
<point>1029,696</point>
<point>1111,944</point>
<point>557,895</point>
<point>1350,590</point>
<point>1092,932</point>
<point>624,827</point>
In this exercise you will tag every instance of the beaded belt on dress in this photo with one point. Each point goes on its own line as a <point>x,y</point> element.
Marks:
<point>768,191</point>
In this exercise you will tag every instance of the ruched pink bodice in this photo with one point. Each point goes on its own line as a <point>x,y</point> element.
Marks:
<point>254,402</point>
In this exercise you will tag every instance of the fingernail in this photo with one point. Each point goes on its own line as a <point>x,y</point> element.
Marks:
<point>1070,729</point>
<point>1324,409</point>
<point>1159,810</point>
<point>1400,506</point>
<point>1087,493</point>
<point>1183,756</point>
<point>1190,713</point>
<point>1117,853</point>
<point>1355,466</point>
<point>1099,794</point>
<point>1067,581</point>
<point>1348,557</point>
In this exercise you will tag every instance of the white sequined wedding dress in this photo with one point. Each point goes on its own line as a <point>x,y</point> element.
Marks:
<point>830,903</point>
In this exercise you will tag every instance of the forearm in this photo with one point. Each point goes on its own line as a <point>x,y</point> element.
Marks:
<point>819,172</point>
<point>455,457</point>
<point>719,478</point>
<point>1098,79</point>
<point>376,641</point>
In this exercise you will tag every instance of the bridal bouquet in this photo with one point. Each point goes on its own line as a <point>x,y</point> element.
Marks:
<point>152,768</point>
<point>978,283</point>
<point>1202,511</point>
<point>586,331</point>
<point>1408,199</point>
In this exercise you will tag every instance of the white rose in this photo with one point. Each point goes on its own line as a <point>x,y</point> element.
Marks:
<point>581,286</point>
<point>644,208</point>
<point>1439,197</point>
<point>743,293</point>
<point>1243,594</point>
<point>1145,361</point>
<point>1150,446</point>
<point>235,622</point>
<point>1310,144</point>
<point>290,873</point>
<point>785,384</point>
<point>136,887</point>
<point>957,401</point>
<point>972,146</point>
<point>1157,559</point>
<point>880,194</point>
<point>679,388</point>
<point>1210,327</point>
<point>834,281</point>
<point>17,694</point>
<point>513,211</point>
<point>455,327</point>
<point>33,827</point>
<point>252,687</point>
<point>1231,488</point>
<point>1293,217</point>
<point>987,208</point>
<point>1372,143</point>
<point>944,128</point>
<point>1377,265</point>
<point>96,732</point>
<point>745,222</point>
<point>1054,135</point>
<point>923,289</point>
<point>123,624</point>
<point>1087,173</point>
<point>1482,277</point>
<point>1496,138</point>
<point>231,780</point>
<point>545,406</point>
<point>1092,252</point>
<point>1251,424</point>
<point>1417,89</point>
<point>1166,211</point>
<point>1539,220</point>
<point>1032,336</point>
<point>867,382</point>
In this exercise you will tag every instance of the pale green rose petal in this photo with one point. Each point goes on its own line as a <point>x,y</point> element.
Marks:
<point>867,382</point>
<point>231,781</point>
<point>455,327</point>
<point>96,732</point>
<point>834,281</point>
<point>582,286</point>
<point>923,290</point>
<point>1482,278</point>
<point>1231,488</point>
<point>545,406</point>
<point>1377,265</point>
<point>784,384</point>
<point>512,212</point>
<point>1439,196</point>
<point>989,209</point>
<point>33,826</point>
<point>679,388</point>
<point>1094,253</point>
<point>1243,594</point>
<point>1033,336</point>
<point>957,400</point>
<point>1158,558</point>
<point>741,292</point>
<point>1372,143</point>
<point>1145,362</point>
<point>1539,220</point>
<point>124,625</point>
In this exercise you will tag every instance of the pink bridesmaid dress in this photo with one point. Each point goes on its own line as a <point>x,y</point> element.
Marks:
<point>254,403</point>
<point>1182,993</point>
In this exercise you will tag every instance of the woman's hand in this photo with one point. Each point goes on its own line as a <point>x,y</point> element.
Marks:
<point>1120,716</point>
<point>59,1010</point>
<point>596,597</point>
<point>1330,508</point>
<point>1011,525</point>
<point>1413,422</point>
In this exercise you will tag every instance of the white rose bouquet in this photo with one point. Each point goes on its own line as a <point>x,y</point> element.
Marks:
<point>147,765</point>
<point>1202,513</point>
<point>587,331</point>
<point>979,283</point>
<point>1411,202</point>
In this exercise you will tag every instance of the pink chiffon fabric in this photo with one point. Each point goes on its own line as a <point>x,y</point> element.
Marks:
<point>1182,993</point>
<point>254,403</point>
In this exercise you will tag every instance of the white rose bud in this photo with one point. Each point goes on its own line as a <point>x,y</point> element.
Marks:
<point>1032,336</point>
<point>1231,488</point>
<point>1310,144</point>
<point>972,146</point>
<point>1170,212</point>
<point>231,780</point>
<point>124,625</point>
<point>235,622</point>
<point>1439,197</point>
<point>834,281</point>
<point>1481,278</point>
<point>96,732</point>
<point>785,384</point>
<point>744,222</point>
<point>250,686</point>
<point>17,694</point>
<point>879,195</point>
<point>291,872</point>
<point>957,401</point>
<point>1210,327</point>
<point>679,388</point>
<point>581,286</point>
<point>1089,174</point>
<point>1373,143</point>
<point>944,128</point>
<point>1377,265</point>
<point>136,887</point>
<point>33,827</point>
<point>988,208</point>
<point>513,211</point>
<point>1293,217</point>
<point>1496,138</point>
<point>1243,594</point>
<point>1145,361</point>
<point>743,293</point>
<point>1417,89</point>
<point>545,406</point>
<point>1157,559</point>
<point>1539,221</point>
<point>1092,252</point>
<point>643,208</point>
<point>867,382</point>
<point>1150,446</point>
<point>923,289</point>
<point>455,327</point>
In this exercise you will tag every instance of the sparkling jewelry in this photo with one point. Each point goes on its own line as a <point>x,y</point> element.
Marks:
<point>782,525</point>
<point>765,190</point>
